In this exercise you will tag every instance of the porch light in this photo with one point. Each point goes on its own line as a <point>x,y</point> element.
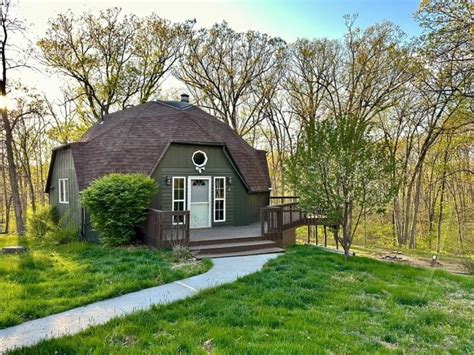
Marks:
<point>229,180</point>
<point>168,180</point>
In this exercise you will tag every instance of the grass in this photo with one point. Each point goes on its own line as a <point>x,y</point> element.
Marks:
<point>359,246</point>
<point>306,301</point>
<point>49,279</point>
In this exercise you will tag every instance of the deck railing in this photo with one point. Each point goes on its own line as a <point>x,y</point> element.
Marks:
<point>278,218</point>
<point>279,200</point>
<point>164,229</point>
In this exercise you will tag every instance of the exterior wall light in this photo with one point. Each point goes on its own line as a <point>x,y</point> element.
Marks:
<point>229,180</point>
<point>168,180</point>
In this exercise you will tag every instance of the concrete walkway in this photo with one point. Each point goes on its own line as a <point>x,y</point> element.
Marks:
<point>224,270</point>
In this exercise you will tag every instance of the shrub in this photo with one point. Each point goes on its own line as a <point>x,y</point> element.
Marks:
<point>117,204</point>
<point>42,221</point>
<point>182,252</point>
<point>468,263</point>
<point>63,235</point>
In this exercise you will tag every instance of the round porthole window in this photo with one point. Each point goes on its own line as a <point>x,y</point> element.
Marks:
<point>199,160</point>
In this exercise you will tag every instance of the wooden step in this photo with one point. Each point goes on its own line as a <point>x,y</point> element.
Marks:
<point>233,247</point>
<point>196,243</point>
<point>241,253</point>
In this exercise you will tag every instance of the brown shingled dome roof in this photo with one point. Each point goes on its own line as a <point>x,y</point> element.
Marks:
<point>135,139</point>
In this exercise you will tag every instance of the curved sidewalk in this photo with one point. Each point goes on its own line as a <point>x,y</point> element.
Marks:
<point>224,270</point>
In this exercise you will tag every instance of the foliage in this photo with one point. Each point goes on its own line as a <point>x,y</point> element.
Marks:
<point>448,29</point>
<point>115,60</point>
<point>63,235</point>
<point>45,225</point>
<point>304,302</point>
<point>117,204</point>
<point>337,169</point>
<point>42,222</point>
<point>247,65</point>
<point>468,262</point>
<point>182,252</point>
<point>49,278</point>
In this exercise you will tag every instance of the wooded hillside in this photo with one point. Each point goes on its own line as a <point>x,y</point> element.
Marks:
<point>412,99</point>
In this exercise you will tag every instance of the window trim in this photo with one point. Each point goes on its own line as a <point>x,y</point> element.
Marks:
<point>63,183</point>
<point>183,200</point>
<point>219,199</point>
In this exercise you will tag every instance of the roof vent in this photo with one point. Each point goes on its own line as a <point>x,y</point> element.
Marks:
<point>184,98</point>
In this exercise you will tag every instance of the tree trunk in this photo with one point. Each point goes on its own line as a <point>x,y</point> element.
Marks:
<point>441,204</point>
<point>347,227</point>
<point>440,215</point>
<point>12,173</point>
<point>459,220</point>
<point>7,214</point>
<point>416,209</point>
<point>325,236</point>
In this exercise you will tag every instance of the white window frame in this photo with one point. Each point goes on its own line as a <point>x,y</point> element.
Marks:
<point>63,190</point>
<point>219,199</point>
<point>179,200</point>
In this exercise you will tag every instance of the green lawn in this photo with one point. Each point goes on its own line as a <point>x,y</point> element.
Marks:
<point>51,279</point>
<point>306,301</point>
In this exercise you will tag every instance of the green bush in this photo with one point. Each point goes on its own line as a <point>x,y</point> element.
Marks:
<point>117,204</point>
<point>468,263</point>
<point>63,235</point>
<point>42,221</point>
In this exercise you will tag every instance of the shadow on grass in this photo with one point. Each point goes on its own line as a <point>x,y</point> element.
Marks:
<point>52,278</point>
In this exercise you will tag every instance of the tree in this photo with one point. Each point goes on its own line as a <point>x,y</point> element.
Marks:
<point>341,171</point>
<point>116,61</point>
<point>232,74</point>
<point>448,29</point>
<point>28,127</point>
<point>9,61</point>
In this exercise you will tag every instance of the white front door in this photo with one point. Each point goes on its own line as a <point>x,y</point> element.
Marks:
<point>199,202</point>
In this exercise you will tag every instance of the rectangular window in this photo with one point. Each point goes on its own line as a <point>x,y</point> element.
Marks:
<point>64,191</point>
<point>179,198</point>
<point>219,199</point>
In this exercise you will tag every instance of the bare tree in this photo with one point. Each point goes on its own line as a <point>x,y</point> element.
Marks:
<point>116,60</point>
<point>231,74</point>
<point>9,55</point>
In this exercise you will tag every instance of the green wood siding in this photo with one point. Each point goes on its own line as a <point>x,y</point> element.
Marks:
<point>241,207</point>
<point>63,167</point>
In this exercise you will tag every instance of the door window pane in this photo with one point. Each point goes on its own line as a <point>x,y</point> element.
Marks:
<point>200,191</point>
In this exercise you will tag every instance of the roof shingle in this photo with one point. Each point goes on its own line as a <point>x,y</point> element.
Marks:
<point>135,139</point>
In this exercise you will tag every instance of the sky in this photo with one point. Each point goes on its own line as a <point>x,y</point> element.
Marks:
<point>287,19</point>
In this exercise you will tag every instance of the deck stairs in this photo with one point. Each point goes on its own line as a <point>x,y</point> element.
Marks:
<point>213,245</point>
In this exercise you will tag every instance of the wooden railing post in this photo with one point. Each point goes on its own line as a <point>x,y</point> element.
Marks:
<point>280,224</point>
<point>186,224</point>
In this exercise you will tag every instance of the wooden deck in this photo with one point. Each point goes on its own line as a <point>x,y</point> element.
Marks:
<point>225,232</point>
<point>165,229</point>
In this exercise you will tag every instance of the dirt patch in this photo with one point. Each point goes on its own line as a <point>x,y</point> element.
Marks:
<point>400,258</point>
<point>191,262</point>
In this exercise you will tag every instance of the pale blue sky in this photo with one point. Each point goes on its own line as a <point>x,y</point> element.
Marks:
<point>324,18</point>
<point>288,19</point>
